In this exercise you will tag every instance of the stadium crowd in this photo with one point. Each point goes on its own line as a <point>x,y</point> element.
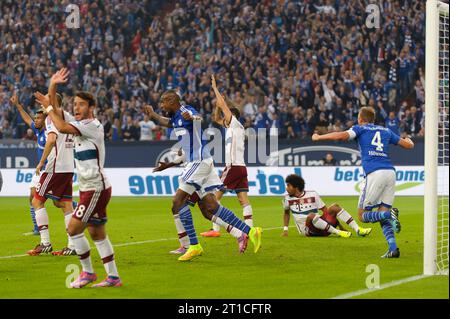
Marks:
<point>299,66</point>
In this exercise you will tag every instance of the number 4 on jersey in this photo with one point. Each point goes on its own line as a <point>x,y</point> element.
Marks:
<point>376,141</point>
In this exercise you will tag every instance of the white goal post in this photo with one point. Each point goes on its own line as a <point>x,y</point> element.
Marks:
<point>436,139</point>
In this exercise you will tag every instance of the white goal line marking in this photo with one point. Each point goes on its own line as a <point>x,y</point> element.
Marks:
<point>134,243</point>
<point>383,286</point>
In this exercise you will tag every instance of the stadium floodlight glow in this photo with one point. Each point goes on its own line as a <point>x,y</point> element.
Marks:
<point>436,235</point>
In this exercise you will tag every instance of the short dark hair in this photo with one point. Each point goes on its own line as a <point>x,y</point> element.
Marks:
<point>296,181</point>
<point>172,95</point>
<point>235,112</point>
<point>87,97</point>
<point>367,114</point>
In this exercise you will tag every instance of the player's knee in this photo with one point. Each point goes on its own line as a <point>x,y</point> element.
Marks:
<point>75,227</point>
<point>206,213</point>
<point>37,204</point>
<point>176,205</point>
<point>72,230</point>
<point>334,209</point>
<point>210,204</point>
<point>58,204</point>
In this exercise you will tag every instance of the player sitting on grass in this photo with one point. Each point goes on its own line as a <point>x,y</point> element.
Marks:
<point>378,189</point>
<point>198,176</point>
<point>305,205</point>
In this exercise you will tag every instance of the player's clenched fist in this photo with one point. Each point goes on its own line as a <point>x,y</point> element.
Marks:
<point>315,137</point>
<point>14,100</point>
<point>148,109</point>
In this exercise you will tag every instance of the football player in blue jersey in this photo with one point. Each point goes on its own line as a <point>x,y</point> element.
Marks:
<point>378,188</point>
<point>198,176</point>
<point>38,126</point>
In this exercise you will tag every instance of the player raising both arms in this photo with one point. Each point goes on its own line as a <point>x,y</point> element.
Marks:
<point>198,176</point>
<point>378,189</point>
<point>234,176</point>
<point>305,206</point>
<point>57,175</point>
<point>95,189</point>
<point>37,125</point>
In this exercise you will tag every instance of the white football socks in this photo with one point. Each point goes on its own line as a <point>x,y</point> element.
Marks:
<point>67,218</point>
<point>42,222</point>
<point>83,251</point>
<point>344,216</point>
<point>319,223</point>
<point>106,252</point>
<point>248,215</point>
<point>232,230</point>
<point>182,234</point>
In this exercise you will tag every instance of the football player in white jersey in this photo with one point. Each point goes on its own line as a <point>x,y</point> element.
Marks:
<point>56,175</point>
<point>95,189</point>
<point>305,206</point>
<point>234,176</point>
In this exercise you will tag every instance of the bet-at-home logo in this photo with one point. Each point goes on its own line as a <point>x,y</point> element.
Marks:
<point>405,178</point>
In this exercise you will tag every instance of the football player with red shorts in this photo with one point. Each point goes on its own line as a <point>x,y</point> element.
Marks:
<point>305,206</point>
<point>234,176</point>
<point>56,178</point>
<point>95,189</point>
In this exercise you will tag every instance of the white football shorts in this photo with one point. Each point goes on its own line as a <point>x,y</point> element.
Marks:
<point>200,177</point>
<point>378,189</point>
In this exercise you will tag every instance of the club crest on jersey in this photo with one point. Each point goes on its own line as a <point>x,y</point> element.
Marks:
<point>308,200</point>
<point>180,122</point>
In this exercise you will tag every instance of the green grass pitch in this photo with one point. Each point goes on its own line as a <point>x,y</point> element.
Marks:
<point>292,267</point>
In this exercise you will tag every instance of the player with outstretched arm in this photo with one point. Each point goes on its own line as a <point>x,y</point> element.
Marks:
<point>234,176</point>
<point>56,175</point>
<point>37,125</point>
<point>378,190</point>
<point>95,188</point>
<point>198,176</point>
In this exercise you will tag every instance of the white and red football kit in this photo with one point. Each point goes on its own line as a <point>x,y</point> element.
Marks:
<point>56,179</point>
<point>95,189</point>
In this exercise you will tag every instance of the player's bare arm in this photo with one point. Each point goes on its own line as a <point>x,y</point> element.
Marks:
<point>177,161</point>
<point>49,144</point>
<point>163,165</point>
<point>406,143</point>
<point>59,77</point>
<point>221,102</point>
<point>335,136</point>
<point>61,125</point>
<point>216,117</point>
<point>25,116</point>
<point>286,219</point>
<point>163,121</point>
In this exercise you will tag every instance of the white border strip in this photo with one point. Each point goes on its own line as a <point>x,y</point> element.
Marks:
<point>134,243</point>
<point>383,286</point>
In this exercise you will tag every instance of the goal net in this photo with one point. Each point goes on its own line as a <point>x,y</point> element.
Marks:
<point>436,235</point>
